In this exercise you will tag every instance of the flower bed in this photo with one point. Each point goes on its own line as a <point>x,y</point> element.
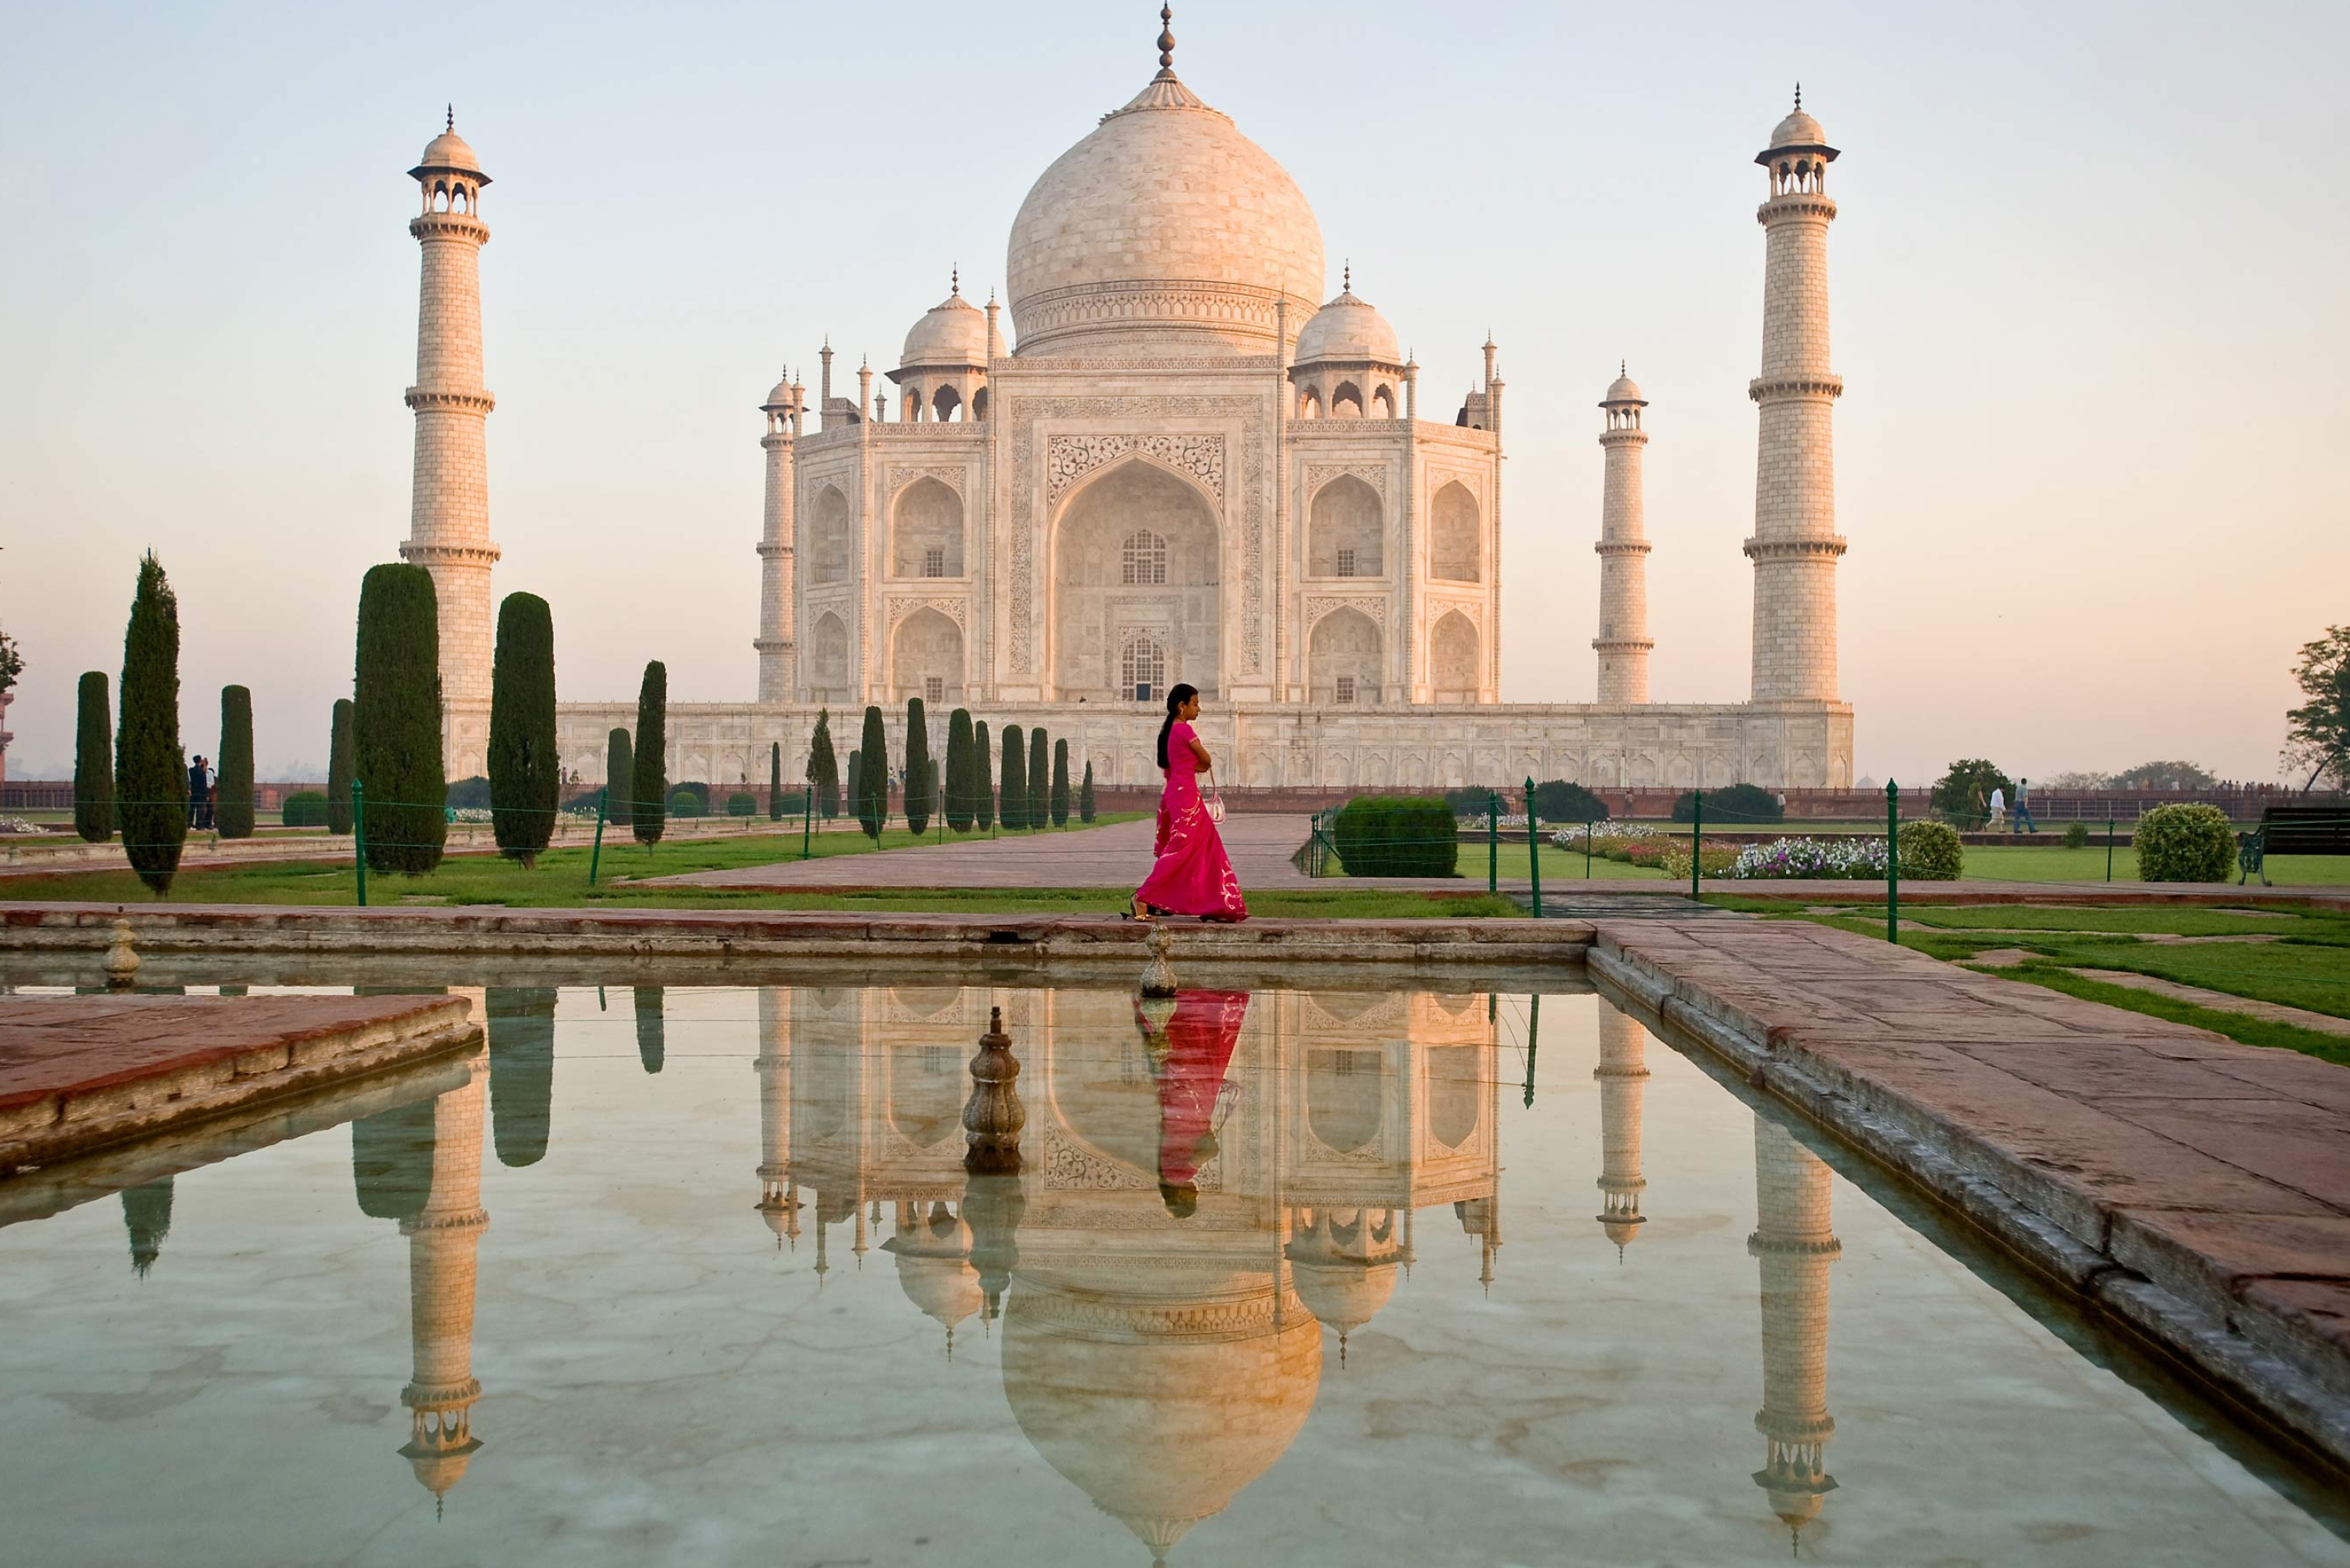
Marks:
<point>1848,860</point>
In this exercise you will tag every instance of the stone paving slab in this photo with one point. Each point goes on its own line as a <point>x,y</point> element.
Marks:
<point>81,1073</point>
<point>2192,1187</point>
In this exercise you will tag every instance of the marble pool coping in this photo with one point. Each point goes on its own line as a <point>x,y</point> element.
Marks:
<point>2192,1191</point>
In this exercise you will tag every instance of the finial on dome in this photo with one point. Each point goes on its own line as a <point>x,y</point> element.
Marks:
<point>1166,43</point>
<point>1799,97</point>
<point>1623,367</point>
<point>450,124</point>
<point>956,277</point>
<point>1347,285</point>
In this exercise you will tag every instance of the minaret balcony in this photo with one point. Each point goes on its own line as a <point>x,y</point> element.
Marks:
<point>1821,385</point>
<point>423,397</point>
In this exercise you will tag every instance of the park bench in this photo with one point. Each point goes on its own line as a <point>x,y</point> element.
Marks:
<point>2293,830</point>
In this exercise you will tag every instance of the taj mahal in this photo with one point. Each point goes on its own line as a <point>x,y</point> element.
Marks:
<point>1178,461</point>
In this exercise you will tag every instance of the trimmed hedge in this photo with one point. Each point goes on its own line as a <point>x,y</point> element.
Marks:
<point>1398,835</point>
<point>1559,801</point>
<point>1931,852</point>
<point>742,802</point>
<point>1737,804</point>
<point>2185,844</point>
<point>685,802</point>
<point>466,794</point>
<point>304,808</point>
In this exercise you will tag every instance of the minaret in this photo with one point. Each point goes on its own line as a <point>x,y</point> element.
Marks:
<point>1623,641</point>
<point>775,639</point>
<point>1795,1241</point>
<point>441,1239</point>
<point>779,1203</point>
<point>449,507</point>
<point>1795,545</point>
<point>1623,1074</point>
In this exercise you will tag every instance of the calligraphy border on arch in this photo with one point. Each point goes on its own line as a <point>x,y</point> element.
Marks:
<point>1021,415</point>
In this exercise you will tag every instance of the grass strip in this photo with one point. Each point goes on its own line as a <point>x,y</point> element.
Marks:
<point>2238,1026</point>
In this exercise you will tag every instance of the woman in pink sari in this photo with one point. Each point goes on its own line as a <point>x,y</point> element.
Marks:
<point>1192,874</point>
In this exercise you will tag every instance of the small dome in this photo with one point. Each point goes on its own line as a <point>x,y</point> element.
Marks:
<point>1343,1293</point>
<point>1348,329</point>
<point>779,396</point>
<point>1799,129</point>
<point>952,332</point>
<point>450,150</point>
<point>1623,389</point>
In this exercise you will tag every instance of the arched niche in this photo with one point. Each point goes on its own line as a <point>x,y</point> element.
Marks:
<point>1456,539</point>
<point>1109,585</point>
<point>1453,659</point>
<point>1344,658</point>
<point>1343,1099</point>
<point>1346,402</point>
<point>928,648</point>
<point>828,533</point>
<point>829,658</point>
<point>926,532</point>
<point>1346,531</point>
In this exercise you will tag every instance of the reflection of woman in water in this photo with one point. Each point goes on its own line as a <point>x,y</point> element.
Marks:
<point>1189,1056</point>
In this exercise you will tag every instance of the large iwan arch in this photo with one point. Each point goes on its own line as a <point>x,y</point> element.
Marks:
<point>1136,554</point>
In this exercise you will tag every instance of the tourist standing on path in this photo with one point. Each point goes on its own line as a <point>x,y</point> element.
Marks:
<point>200,794</point>
<point>1192,874</point>
<point>1998,809</point>
<point>2024,823</point>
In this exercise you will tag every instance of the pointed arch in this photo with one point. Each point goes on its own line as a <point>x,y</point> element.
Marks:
<point>1346,531</point>
<point>926,531</point>
<point>829,537</point>
<point>1456,552</point>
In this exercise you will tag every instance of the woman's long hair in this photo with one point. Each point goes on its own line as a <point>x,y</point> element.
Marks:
<point>1180,693</point>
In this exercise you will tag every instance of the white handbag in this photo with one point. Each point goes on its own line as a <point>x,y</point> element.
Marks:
<point>1215,801</point>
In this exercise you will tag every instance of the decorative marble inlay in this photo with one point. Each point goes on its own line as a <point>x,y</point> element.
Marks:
<point>1373,604</point>
<point>953,477</point>
<point>953,608</point>
<point>1070,458</point>
<point>1318,474</point>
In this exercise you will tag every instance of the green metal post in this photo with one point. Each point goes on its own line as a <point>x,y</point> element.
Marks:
<point>1892,861</point>
<point>1492,842</point>
<point>1533,1031</point>
<point>2109,849</point>
<point>1590,825</point>
<point>1697,837</point>
<point>1533,846</point>
<point>596,855</point>
<point>359,832</point>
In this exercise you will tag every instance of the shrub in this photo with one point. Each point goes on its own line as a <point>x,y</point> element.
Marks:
<point>525,773</point>
<point>873,775</point>
<point>1963,795</point>
<point>1470,800</point>
<point>775,781</point>
<point>684,804</point>
<point>396,719</point>
<point>700,792</point>
<point>94,762</point>
<point>1040,782</point>
<point>1014,786</point>
<point>1931,852</point>
<point>1738,802</point>
<point>960,792</point>
<point>921,787</point>
<point>304,808</point>
<point>2185,844</point>
<point>151,771</point>
<point>648,785</point>
<point>620,777</point>
<point>1085,794</point>
<point>1059,802</point>
<point>338,767</point>
<point>824,768</point>
<point>742,802</point>
<point>2076,836</point>
<point>1559,801</point>
<point>1397,835</point>
<point>982,779</point>
<point>466,794</point>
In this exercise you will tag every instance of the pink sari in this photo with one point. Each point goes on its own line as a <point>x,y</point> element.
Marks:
<point>1192,874</point>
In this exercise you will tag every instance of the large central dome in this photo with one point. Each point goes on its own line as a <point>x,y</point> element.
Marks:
<point>1164,232</point>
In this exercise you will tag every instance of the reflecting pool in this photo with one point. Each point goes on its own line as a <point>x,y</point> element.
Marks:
<point>1344,1276</point>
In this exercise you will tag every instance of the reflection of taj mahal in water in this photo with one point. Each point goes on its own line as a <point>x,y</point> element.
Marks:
<point>1192,467</point>
<point>1160,1364</point>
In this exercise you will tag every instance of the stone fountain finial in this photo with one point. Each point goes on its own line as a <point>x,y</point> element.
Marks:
<point>121,963</point>
<point>1158,974</point>
<point>993,1115</point>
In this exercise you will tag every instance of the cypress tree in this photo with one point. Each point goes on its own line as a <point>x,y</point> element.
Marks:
<point>1085,794</point>
<point>873,775</point>
<point>648,785</point>
<point>234,778</point>
<point>922,780</point>
<point>526,773</point>
<point>94,762</point>
<point>1040,785</point>
<point>1014,788</point>
<point>1060,801</point>
<point>775,781</point>
<point>959,790</point>
<point>823,769</point>
<point>339,768</point>
<point>396,719</point>
<point>853,795</point>
<point>982,779</point>
<point>151,771</point>
<point>619,776</point>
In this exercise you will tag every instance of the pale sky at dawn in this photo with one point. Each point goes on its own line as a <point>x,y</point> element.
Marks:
<point>2090,297</point>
